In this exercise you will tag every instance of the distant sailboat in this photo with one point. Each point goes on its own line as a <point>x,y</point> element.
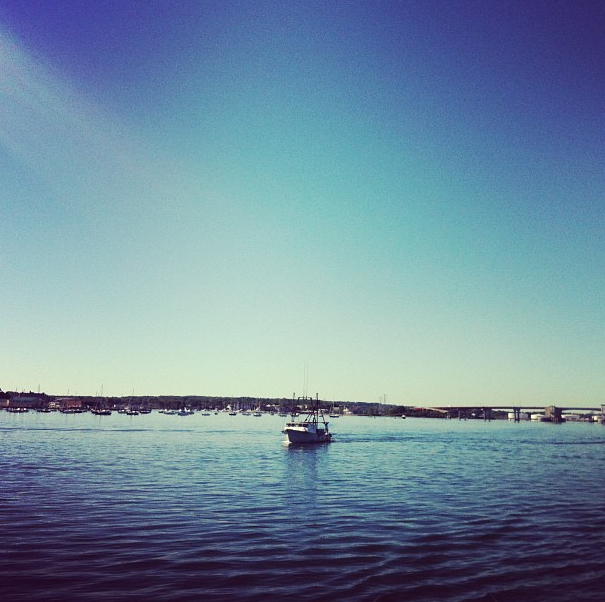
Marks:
<point>130,409</point>
<point>100,409</point>
<point>333,413</point>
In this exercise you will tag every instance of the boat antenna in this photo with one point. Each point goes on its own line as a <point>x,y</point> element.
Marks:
<point>305,379</point>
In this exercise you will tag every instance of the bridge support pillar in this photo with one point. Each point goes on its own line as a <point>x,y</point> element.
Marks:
<point>517,414</point>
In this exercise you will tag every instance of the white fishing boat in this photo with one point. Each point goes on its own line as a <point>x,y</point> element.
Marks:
<point>311,427</point>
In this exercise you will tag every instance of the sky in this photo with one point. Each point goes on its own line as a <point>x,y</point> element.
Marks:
<point>368,200</point>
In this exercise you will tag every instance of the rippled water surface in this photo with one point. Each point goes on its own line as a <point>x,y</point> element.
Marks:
<point>171,508</point>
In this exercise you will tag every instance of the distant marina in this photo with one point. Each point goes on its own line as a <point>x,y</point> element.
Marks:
<point>21,402</point>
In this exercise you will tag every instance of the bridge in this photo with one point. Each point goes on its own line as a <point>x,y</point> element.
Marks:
<point>551,413</point>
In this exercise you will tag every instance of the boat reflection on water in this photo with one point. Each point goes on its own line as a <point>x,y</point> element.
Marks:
<point>311,426</point>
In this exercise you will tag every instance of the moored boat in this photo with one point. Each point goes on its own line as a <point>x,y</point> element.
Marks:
<point>100,409</point>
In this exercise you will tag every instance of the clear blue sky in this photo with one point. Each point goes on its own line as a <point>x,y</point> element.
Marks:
<point>206,197</point>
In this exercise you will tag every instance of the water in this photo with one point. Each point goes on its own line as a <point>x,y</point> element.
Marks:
<point>216,508</point>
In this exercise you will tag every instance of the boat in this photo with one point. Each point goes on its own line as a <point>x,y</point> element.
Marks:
<point>133,409</point>
<point>185,411</point>
<point>311,428</point>
<point>130,409</point>
<point>100,409</point>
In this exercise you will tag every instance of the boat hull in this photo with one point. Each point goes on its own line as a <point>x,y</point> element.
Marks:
<point>302,437</point>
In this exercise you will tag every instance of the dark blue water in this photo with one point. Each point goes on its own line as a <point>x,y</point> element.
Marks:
<point>207,508</point>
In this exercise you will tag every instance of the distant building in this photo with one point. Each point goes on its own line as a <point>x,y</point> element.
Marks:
<point>522,416</point>
<point>69,403</point>
<point>27,400</point>
<point>572,417</point>
<point>553,414</point>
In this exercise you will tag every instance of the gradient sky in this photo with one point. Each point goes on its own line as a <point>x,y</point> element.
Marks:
<point>208,197</point>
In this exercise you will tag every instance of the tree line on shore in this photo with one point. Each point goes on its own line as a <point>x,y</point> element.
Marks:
<point>218,403</point>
